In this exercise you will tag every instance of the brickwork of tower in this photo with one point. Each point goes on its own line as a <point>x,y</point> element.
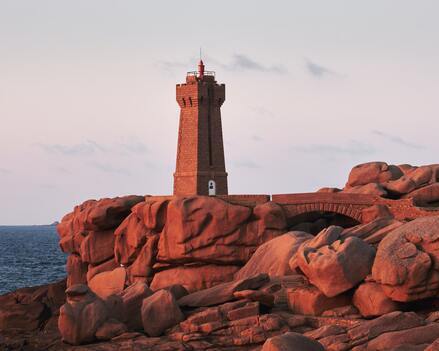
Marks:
<point>200,153</point>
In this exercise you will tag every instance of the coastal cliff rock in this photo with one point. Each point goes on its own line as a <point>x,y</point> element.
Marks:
<point>194,277</point>
<point>81,316</point>
<point>87,234</point>
<point>212,273</point>
<point>273,256</point>
<point>209,230</point>
<point>373,173</point>
<point>332,264</point>
<point>371,301</point>
<point>160,311</point>
<point>403,181</point>
<point>195,241</point>
<point>291,342</point>
<point>407,261</point>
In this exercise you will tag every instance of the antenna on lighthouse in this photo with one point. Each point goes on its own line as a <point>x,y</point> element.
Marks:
<point>200,67</point>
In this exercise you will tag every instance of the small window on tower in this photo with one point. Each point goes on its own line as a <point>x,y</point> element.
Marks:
<point>184,102</point>
<point>190,101</point>
<point>212,188</point>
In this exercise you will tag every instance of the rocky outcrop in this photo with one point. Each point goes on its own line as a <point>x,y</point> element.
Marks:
<point>109,283</point>
<point>423,335</point>
<point>222,292</point>
<point>110,329</point>
<point>403,181</point>
<point>373,172</point>
<point>273,257</point>
<point>97,247</point>
<point>199,273</point>
<point>136,236</point>
<point>371,300</point>
<point>332,264</point>
<point>425,196</point>
<point>160,311</point>
<point>407,260</point>
<point>291,342</point>
<point>372,232</point>
<point>87,234</point>
<point>205,241</point>
<point>199,233</point>
<point>76,270</point>
<point>81,316</point>
<point>31,308</point>
<point>131,304</point>
<point>194,277</point>
<point>308,300</point>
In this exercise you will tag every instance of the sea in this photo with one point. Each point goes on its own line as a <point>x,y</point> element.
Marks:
<point>29,256</point>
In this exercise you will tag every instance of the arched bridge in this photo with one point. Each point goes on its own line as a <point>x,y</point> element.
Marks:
<point>349,205</point>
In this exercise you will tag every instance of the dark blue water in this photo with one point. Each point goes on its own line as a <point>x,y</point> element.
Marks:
<point>29,255</point>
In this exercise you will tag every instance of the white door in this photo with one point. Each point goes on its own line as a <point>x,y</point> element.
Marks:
<point>212,188</point>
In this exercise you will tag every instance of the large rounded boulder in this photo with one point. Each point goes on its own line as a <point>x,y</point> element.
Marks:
<point>407,261</point>
<point>81,316</point>
<point>373,172</point>
<point>291,342</point>
<point>202,229</point>
<point>273,257</point>
<point>334,264</point>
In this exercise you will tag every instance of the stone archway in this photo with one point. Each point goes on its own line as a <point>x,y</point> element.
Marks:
<point>341,209</point>
<point>314,221</point>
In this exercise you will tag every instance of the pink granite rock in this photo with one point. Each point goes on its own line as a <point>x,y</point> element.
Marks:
<point>194,278</point>
<point>81,316</point>
<point>371,300</point>
<point>291,342</point>
<point>407,261</point>
<point>335,265</point>
<point>108,283</point>
<point>373,172</point>
<point>160,311</point>
<point>273,256</point>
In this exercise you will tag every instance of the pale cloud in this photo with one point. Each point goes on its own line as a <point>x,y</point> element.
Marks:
<point>5,171</point>
<point>133,147</point>
<point>109,168</point>
<point>170,67</point>
<point>353,148</point>
<point>397,140</point>
<point>263,111</point>
<point>317,70</point>
<point>106,85</point>
<point>237,63</point>
<point>241,62</point>
<point>81,149</point>
<point>90,147</point>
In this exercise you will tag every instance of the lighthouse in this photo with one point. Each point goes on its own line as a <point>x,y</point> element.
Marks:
<point>200,167</point>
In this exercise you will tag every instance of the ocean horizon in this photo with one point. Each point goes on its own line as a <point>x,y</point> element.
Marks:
<point>29,256</point>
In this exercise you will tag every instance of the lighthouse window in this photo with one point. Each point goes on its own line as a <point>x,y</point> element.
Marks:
<point>212,188</point>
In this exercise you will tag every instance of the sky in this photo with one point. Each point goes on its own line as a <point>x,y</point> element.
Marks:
<point>87,94</point>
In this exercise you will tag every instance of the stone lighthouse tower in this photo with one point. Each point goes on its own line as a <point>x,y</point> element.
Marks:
<point>200,168</point>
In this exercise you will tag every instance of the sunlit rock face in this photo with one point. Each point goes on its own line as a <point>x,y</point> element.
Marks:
<point>327,270</point>
<point>196,241</point>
